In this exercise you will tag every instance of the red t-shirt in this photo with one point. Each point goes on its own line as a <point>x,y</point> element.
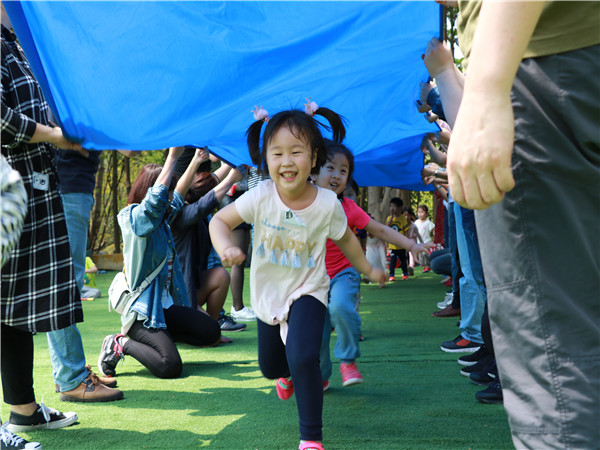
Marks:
<point>335,260</point>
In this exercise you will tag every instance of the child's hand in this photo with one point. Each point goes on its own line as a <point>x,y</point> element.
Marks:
<point>232,256</point>
<point>377,276</point>
<point>421,248</point>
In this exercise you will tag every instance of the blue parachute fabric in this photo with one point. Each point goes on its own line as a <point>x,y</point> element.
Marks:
<point>147,75</point>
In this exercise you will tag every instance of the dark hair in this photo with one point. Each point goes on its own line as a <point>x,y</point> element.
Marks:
<point>301,125</point>
<point>424,208</point>
<point>397,201</point>
<point>333,148</point>
<point>146,179</point>
<point>202,183</point>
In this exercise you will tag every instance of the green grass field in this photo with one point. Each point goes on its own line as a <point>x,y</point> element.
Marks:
<point>413,396</point>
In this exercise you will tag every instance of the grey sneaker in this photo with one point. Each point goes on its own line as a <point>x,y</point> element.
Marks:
<point>227,323</point>
<point>110,355</point>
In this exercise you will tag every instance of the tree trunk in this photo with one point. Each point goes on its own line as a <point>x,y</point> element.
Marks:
<point>115,201</point>
<point>98,200</point>
<point>405,196</point>
<point>374,196</point>
<point>127,170</point>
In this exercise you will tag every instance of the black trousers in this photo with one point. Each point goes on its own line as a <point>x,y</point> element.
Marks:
<point>156,349</point>
<point>395,255</point>
<point>17,366</point>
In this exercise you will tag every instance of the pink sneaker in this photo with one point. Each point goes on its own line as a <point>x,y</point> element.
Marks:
<point>285,388</point>
<point>350,374</point>
<point>311,445</point>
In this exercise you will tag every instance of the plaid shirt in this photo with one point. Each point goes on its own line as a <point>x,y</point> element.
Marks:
<point>38,289</point>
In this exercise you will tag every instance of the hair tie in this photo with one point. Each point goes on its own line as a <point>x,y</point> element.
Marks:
<point>260,113</point>
<point>310,107</point>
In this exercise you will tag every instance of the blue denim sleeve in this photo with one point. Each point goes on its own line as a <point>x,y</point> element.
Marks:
<point>149,214</point>
<point>434,100</point>
<point>176,205</point>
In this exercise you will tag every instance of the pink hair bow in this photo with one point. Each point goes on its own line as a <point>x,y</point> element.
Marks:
<point>310,107</point>
<point>260,113</point>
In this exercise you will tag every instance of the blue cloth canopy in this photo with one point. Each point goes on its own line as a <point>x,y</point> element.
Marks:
<point>149,75</point>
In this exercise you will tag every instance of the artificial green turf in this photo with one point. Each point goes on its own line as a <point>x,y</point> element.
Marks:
<point>413,396</point>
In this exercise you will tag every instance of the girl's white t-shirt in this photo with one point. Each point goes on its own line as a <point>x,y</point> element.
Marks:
<point>288,259</point>
<point>425,227</point>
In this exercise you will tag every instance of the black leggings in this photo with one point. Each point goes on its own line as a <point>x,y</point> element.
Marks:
<point>156,349</point>
<point>299,357</point>
<point>17,366</point>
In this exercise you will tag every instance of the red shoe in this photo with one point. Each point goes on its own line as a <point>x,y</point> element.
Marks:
<point>285,388</point>
<point>426,269</point>
<point>392,279</point>
<point>404,277</point>
<point>350,374</point>
<point>325,385</point>
<point>448,282</point>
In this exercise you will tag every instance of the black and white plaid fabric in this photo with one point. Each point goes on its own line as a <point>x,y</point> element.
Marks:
<point>38,290</point>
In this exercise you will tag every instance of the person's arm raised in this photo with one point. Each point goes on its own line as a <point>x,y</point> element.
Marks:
<point>186,179</point>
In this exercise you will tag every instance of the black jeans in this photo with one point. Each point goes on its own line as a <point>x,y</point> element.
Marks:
<point>156,349</point>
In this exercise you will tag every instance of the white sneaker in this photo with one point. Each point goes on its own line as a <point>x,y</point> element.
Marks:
<point>243,315</point>
<point>447,300</point>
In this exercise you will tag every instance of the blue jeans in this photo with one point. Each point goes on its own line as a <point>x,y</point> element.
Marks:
<point>65,346</point>
<point>344,294</point>
<point>473,293</point>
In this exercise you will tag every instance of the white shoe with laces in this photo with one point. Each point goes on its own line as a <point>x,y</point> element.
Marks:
<point>447,300</point>
<point>8,440</point>
<point>243,315</point>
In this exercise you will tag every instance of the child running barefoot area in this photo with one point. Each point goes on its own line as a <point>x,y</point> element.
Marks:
<point>288,279</point>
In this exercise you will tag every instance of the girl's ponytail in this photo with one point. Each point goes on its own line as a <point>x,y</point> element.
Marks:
<point>253,141</point>
<point>253,136</point>
<point>336,121</point>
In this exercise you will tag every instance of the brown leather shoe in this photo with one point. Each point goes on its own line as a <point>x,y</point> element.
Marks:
<point>448,311</point>
<point>91,390</point>
<point>106,381</point>
<point>110,382</point>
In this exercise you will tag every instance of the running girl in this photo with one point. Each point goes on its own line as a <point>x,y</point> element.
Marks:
<point>293,220</point>
<point>345,280</point>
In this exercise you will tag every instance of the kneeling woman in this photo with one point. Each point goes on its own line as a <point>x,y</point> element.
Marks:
<point>161,315</point>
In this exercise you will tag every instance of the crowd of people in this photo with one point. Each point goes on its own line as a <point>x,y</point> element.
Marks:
<point>529,329</point>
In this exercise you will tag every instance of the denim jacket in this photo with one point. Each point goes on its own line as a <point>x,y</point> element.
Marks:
<point>147,240</point>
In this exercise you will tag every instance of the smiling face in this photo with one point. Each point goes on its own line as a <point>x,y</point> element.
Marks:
<point>334,174</point>
<point>289,160</point>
